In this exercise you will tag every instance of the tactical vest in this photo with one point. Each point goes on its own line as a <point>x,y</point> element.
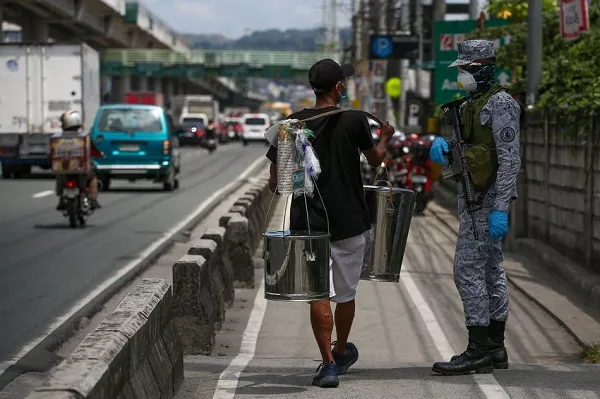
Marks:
<point>481,155</point>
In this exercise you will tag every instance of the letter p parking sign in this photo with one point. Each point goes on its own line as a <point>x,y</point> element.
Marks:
<point>382,46</point>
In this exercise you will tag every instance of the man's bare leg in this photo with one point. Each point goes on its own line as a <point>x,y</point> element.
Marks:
<point>344,316</point>
<point>321,320</point>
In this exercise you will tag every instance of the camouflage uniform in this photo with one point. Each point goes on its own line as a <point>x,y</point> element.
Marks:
<point>478,271</point>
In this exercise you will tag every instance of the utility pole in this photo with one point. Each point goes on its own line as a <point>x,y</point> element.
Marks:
<point>534,50</point>
<point>438,14</point>
<point>404,26</point>
<point>335,31</point>
<point>473,9</point>
<point>419,30</point>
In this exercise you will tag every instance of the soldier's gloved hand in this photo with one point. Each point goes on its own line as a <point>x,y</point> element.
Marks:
<point>498,223</point>
<point>439,147</point>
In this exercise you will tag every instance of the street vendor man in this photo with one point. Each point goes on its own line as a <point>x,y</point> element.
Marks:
<point>489,119</point>
<point>338,141</point>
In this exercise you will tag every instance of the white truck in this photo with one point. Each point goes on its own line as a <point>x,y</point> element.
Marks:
<point>194,107</point>
<point>37,84</point>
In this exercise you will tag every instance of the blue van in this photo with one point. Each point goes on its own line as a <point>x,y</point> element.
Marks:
<point>138,142</point>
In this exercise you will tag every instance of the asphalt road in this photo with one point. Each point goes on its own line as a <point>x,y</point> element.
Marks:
<point>46,267</point>
<point>400,330</point>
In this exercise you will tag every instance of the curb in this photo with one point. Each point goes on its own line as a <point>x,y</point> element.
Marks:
<point>68,328</point>
<point>516,285</point>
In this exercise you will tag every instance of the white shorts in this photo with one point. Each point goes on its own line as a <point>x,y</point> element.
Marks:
<point>345,266</point>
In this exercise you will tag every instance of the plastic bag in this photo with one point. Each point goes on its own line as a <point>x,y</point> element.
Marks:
<point>297,163</point>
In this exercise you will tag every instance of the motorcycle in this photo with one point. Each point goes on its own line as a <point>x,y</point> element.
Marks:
<point>419,177</point>
<point>211,141</point>
<point>76,196</point>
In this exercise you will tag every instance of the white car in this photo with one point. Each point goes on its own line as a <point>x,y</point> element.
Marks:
<point>254,127</point>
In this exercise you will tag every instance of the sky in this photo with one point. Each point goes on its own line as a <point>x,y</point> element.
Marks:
<point>234,18</point>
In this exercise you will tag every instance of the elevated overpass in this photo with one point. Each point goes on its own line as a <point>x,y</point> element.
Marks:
<point>211,63</point>
<point>114,24</point>
<point>136,69</point>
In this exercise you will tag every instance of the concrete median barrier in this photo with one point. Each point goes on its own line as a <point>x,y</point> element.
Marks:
<point>217,234</point>
<point>208,250</point>
<point>134,353</point>
<point>194,311</point>
<point>239,251</point>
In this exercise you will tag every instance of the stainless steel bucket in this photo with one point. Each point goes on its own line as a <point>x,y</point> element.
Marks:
<point>296,266</point>
<point>391,211</point>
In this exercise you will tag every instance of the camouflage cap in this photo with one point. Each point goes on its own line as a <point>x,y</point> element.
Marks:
<point>471,50</point>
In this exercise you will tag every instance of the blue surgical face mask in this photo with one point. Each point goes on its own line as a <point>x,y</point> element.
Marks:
<point>342,95</point>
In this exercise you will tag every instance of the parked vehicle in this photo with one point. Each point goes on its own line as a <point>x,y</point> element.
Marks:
<point>254,128</point>
<point>139,142</point>
<point>38,82</point>
<point>420,175</point>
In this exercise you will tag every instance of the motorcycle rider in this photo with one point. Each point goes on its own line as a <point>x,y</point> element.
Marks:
<point>211,130</point>
<point>71,123</point>
<point>490,121</point>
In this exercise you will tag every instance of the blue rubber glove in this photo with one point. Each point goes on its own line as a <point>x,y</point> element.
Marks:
<point>439,147</point>
<point>498,223</point>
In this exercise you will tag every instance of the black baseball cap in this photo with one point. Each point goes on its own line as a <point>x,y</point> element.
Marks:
<point>324,74</point>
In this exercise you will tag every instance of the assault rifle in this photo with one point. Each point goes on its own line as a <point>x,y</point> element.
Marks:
<point>457,168</point>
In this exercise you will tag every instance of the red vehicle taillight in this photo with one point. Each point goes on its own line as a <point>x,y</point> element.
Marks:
<point>200,133</point>
<point>166,147</point>
<point>71,184</point>
<point>238,128</point>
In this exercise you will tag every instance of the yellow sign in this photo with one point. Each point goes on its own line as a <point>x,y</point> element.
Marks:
<point>393,87</point>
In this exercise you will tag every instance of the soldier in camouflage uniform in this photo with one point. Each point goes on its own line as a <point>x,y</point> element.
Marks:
<point>490,127</point>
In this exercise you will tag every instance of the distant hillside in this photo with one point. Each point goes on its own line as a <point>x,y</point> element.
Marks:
<point>273,39</point>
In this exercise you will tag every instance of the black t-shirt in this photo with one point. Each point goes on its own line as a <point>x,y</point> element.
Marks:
<point>338,139</point>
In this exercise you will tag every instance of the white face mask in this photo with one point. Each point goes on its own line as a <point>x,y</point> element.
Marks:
<point>466,81</point>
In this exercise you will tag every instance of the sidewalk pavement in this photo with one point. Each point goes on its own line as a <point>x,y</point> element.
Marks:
<point>541,284</point>
<point>267,350</point>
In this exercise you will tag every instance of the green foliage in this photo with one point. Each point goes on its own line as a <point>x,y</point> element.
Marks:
<point>517,9</point>
<point>570,79</point>
<point>591,354</point>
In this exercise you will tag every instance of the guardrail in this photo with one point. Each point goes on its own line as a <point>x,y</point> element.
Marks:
<point>217,58</point>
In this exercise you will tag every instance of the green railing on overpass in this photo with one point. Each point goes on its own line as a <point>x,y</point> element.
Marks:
<point>198,63</point>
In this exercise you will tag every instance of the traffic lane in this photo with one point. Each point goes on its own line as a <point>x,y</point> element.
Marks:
<point>532,336</point>
<point>27,199</point>
<point>46,267</point>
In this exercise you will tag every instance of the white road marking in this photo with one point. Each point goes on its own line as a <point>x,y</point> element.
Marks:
<point>486,382</point>
<point>128,267</point>
<point>229,378</point>
<point>42,194</point>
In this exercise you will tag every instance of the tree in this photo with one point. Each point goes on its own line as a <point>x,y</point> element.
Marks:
<point>570,79</point>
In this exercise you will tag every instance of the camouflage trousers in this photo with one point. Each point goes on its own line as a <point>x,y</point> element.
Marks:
<point>478,271</point>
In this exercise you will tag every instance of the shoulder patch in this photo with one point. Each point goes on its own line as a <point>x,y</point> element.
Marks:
<point>508,134</point>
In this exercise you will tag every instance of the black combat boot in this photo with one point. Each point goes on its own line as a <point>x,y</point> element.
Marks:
<point>475,359</point>
<point>496,345</point>
<point>497,349</point>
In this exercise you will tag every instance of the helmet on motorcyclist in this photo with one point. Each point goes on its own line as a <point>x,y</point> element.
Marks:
<point>70,121</point>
